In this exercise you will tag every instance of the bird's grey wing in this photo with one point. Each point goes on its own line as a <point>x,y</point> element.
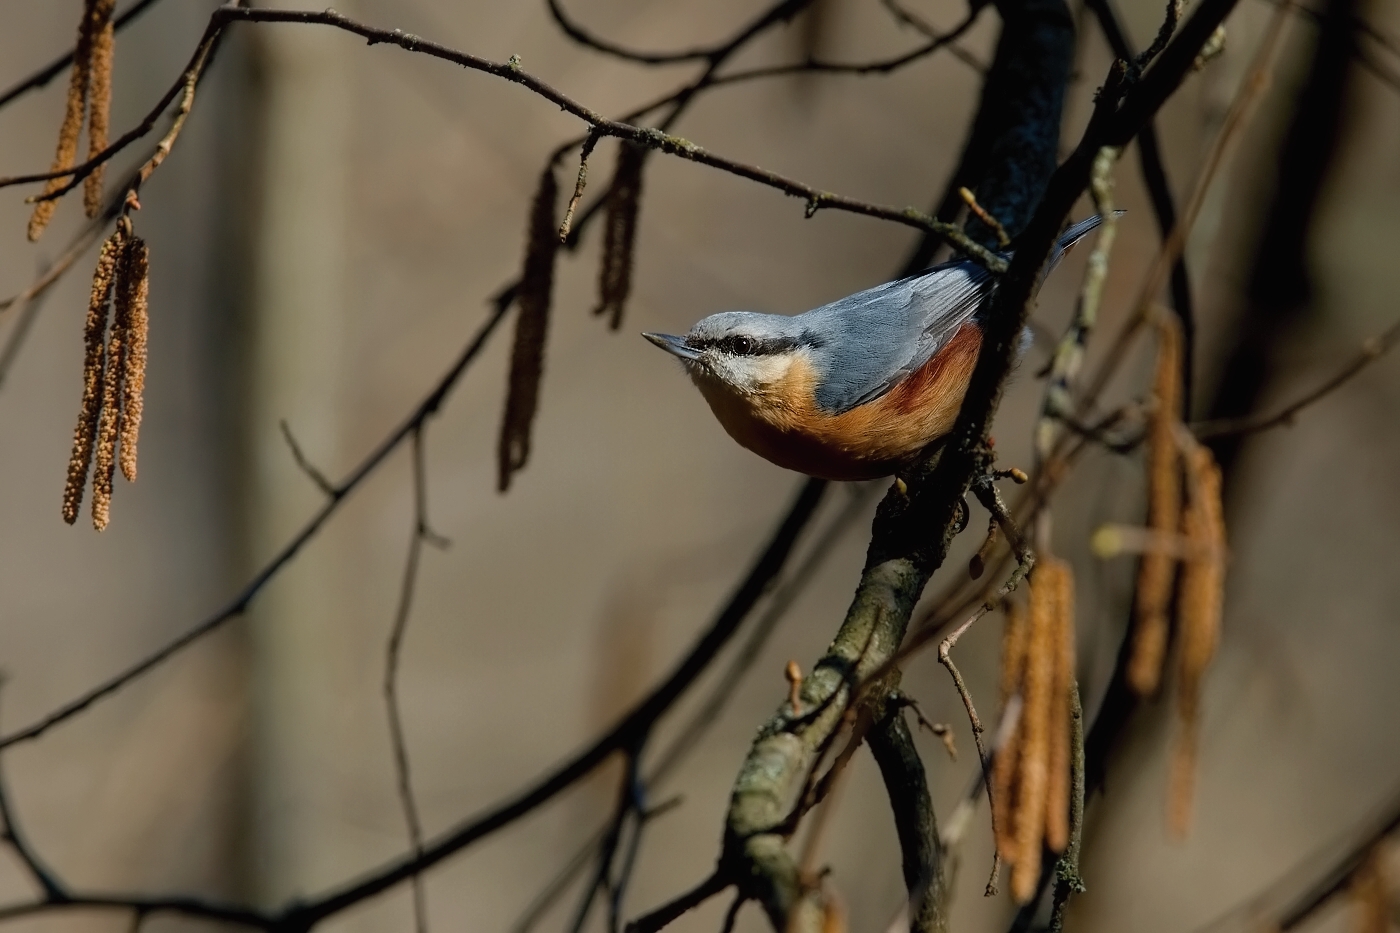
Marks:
<point>888,332</point>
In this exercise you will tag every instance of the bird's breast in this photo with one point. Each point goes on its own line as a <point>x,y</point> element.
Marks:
<point>782,422</point>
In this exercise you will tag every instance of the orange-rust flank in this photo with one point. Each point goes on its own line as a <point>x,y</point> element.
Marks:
<point>783,423</point>
<point>928,386</point>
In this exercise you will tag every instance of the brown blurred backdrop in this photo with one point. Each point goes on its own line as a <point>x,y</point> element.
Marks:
<point>324,239</point>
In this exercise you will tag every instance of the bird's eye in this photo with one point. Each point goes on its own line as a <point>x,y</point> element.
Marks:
<point>742,345</point>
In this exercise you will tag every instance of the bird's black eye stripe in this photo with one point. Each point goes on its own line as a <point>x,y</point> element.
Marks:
<point>746,345</point>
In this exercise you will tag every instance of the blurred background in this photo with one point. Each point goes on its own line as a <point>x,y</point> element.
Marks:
<point>326,237</point>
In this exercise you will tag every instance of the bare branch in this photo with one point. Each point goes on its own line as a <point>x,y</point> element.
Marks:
<point>655,139</point>
<point>1371,350</point>
<point>907,17</point>
<point>54,890</point>
<point>425,409</point>
<point>663,915</point>
<point>392,651</point>
<point>1251,89</point>
<point>191,75</point>
<point>783,11</point>
<point>55,68</point>
<point>305,465</point>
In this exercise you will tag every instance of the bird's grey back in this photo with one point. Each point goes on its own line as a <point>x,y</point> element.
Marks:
<point>885,333</point>
<point>865,344</point>
<point>879,336</point>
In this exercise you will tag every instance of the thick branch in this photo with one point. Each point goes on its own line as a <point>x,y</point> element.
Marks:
<point>1016,134</point>
<point>925,876</point>
<point>911,536</point>
<point>637,722</point>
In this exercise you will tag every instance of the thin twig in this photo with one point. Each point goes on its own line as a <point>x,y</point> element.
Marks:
<point>1371,350</point>
<point>392,652</point>
<point>656,139</point>
<point>235,607</point>
<point>1255,82</point>
<point>1389,43</point>
<point>305,465</point>
<point>583,155</point>
<point>55,68</point>
<point>687,738</point>
<point>1025,561</point>
<point>990,498</point>
<point>607,850</point>
<point>1154,176</point>
<point>663,915</point>
<point>909,18</point>
<point>876,66</point>
<point>193,71</point>
<point>1057,405</point>
<point>82,241</point>
<point>583,37</point>
<point>55,892</point>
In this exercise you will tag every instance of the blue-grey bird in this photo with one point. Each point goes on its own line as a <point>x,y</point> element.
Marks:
<point>855,389</point>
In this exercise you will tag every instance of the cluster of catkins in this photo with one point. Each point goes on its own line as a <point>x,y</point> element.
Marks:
<point>114,357</point>
<point>1191,514</point>
<point>534,291</point>
<point>90,93</point>
<point>1031,771</point>
<point>114,375</point>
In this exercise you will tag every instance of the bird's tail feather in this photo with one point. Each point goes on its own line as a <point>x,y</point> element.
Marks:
<point>1078,232</point>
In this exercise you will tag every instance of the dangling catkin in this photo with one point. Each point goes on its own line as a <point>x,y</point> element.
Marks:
<point>1157,569</point>
<point>109,425</point>
<point>1057,791</point>
<point>99,97</point>
<point>624,200</point>
<point>1198,621</point>
<point>1037,683</point>
<point>1370,898</point>
<point>72,120</point>
<point>1013,658</point>
<point>94,330</point>
<point>132,291</point>
<point>531,325</point>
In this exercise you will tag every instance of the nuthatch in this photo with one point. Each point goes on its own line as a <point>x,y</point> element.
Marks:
<point>855,389</point>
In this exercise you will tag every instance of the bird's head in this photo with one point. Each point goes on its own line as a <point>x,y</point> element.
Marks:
<point>747,353</point>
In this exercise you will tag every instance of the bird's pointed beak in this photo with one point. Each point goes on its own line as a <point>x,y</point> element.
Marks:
<point>673,345</point>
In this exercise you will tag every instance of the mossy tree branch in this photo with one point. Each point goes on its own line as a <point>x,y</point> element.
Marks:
<point>903,553</point>
<point>925,871</point>
<point>1036,47</point>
